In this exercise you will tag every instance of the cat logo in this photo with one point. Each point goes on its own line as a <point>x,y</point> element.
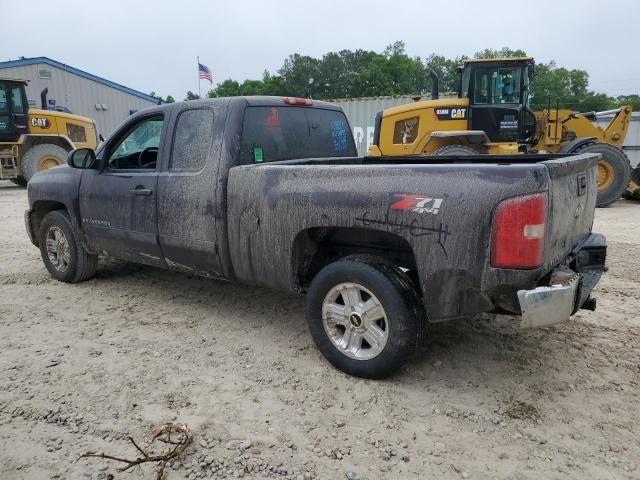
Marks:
<point>40,122</point>
<point>451,113</point>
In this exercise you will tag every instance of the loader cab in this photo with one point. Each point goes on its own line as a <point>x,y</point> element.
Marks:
<point>498,92</point>
<point>14,109</point>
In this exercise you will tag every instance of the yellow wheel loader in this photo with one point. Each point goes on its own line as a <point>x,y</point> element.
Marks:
<point>31,139</point>
<point>492,115</point>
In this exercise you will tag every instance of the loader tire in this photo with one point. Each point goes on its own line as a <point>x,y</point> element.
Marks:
<point>455,150</point>
<point>42,157</point>
<point>614,172</point>
<point>20,181</point>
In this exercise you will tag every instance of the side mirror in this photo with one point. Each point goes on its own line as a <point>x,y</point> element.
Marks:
<point>81,158</point>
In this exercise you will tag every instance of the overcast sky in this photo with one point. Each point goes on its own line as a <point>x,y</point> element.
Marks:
<point>152,45</point>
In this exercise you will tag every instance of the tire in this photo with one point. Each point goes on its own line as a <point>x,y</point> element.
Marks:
<point>633,190</point>
<point>41,157</point>
<point>373,345</point>
<point>20,181</point>
<point>64,256</point>
<point>616,165</point>
<point>455,150</point>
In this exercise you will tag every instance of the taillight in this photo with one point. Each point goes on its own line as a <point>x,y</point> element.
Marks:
<point>519,226</point>
<point>301,102</point>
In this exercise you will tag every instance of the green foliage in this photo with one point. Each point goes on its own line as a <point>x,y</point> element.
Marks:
<point>362,73</point>
<point>192,96</point>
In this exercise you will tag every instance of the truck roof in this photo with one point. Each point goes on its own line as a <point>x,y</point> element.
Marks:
<point>268,101</point>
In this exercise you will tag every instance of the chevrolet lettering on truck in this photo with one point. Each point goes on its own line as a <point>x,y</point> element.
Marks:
<point>269,191</point>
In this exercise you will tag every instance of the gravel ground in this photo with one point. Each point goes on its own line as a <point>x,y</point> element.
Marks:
<point>84,366</point>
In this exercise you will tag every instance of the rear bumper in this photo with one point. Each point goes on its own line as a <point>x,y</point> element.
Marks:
<point>569,286</point>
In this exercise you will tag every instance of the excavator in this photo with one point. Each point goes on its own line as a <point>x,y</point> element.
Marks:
<point>492,115</point>
<point>36,139</point>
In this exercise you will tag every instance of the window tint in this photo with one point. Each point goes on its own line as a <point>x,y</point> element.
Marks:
<point>192,140</point>
<point>16,100</point>
<point>270,134</point>
<point>139,147</point>
<point>3,99</point>
<point>497,85</point>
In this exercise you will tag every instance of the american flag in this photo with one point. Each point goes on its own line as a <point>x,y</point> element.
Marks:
<point>204,72</point>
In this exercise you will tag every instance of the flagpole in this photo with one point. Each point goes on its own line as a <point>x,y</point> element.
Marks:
<point>199,93</point>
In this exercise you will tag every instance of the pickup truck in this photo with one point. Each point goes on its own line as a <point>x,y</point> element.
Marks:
<point>269,191</point>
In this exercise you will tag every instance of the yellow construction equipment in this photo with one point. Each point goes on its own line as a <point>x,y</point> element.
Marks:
<point>31,139</point>
<point>492,115</point>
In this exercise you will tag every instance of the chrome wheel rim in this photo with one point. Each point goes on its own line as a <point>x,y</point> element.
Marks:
<point>355,321</point>
<point>58,249</point>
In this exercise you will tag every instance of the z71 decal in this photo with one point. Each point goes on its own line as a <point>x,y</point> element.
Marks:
<point>416,203</point>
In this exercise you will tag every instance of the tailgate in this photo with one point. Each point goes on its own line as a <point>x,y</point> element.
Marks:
<point>572,199</point>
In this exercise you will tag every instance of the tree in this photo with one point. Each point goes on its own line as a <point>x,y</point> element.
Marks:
<point>169,99</point>
<point>363,73</point>
<point>192,96</point>
<point>504,52</point>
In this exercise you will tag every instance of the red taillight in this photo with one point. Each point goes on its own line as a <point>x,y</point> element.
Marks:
<point>519,226</point>
<point>301,102</point>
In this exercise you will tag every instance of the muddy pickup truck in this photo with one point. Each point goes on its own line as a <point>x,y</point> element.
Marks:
<point>269,191</point>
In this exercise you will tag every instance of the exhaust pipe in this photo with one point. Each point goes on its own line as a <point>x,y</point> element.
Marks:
<point>435,84</point>
<point>43,98</point>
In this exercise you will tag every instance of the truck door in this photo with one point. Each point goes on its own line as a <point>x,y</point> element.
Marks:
<point>188,211</point>
<point>118,203</point>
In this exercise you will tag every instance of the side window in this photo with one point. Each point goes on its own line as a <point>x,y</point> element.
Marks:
<point>192,140</point>
<point>4,108</point>
<point>406,131</point>
<point>16,100</point>
<point>138,147</point>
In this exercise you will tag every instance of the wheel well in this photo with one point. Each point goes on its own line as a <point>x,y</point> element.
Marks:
<point>33,140</point>
<point>38,212</point>
<point>314,248</point>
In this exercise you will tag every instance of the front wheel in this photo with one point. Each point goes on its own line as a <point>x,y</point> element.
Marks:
<point>62,253</point>
<point>364,316</point>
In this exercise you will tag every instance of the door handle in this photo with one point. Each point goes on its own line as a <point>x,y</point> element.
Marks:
<point>140,190</point>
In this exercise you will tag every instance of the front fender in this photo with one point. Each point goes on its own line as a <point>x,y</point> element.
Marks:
<point>53,189</point>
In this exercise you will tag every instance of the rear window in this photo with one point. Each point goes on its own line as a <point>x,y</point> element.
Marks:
<point>270,134</point>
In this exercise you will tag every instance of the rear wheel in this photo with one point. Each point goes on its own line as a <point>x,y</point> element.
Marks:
<point>614,172</point>
<point>365,316</point>
<point>455,150</point>
<point>62,253</point>
<point>42,157</point>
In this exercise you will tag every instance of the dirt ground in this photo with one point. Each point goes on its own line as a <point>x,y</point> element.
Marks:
<point>84,366</point>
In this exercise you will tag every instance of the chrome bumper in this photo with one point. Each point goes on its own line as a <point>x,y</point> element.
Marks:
<point>545,306</point>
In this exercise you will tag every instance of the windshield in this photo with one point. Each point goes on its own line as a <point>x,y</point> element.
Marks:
<point>496,85</point>
<point>270,134</point>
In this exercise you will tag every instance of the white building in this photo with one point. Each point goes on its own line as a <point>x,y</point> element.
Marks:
<point>77,91</point>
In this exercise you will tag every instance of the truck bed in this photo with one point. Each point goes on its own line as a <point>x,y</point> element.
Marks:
<point>313,199</point>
